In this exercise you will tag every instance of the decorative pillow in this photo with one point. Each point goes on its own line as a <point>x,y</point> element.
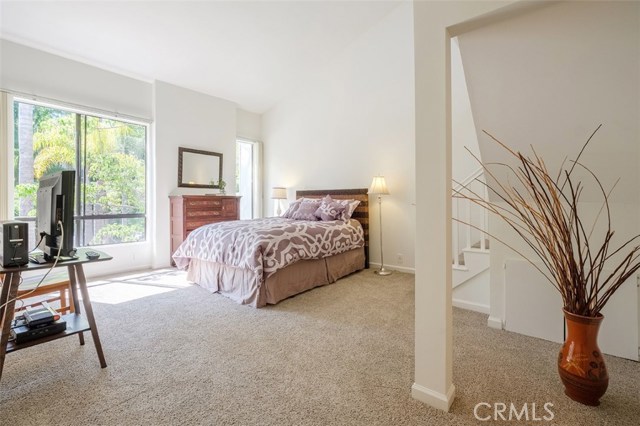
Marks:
<point>350,207</point>
<point>329,209</point>
<point>306,211</point>
<point>292,209</point>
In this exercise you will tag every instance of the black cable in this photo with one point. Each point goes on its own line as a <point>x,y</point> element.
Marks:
<point>42,235</point>
<point>13,256</point>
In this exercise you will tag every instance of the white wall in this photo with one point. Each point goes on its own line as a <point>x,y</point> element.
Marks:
<point>473,294</point>
<point>192,120</point>
<point>548,78</point>
<point>352,120</point>
<point>35,72</point>
<point>463,130</point>
<point>249,125</point>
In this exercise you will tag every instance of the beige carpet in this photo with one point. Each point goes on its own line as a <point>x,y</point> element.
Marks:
<point>337,355</point>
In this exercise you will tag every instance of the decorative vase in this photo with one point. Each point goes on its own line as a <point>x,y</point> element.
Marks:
<point>580,362</point>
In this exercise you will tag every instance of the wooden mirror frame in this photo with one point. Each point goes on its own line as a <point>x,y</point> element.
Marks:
<point>182,184</point>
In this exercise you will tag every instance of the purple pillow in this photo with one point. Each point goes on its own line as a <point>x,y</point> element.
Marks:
<point>350,207</point>
<point>329,209</point>
<point>306,211</point>
<point>292,209</point>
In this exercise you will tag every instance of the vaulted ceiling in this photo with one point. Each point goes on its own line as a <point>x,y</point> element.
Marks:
<point>251,53</point>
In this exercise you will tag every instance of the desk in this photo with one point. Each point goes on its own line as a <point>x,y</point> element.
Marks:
<point>77,322</point>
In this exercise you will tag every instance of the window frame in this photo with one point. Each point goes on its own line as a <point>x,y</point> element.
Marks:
<point>95,113</point>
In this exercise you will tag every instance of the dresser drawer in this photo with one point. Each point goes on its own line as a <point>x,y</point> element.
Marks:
<point>195,224</point>
<point>204,203</point>
<point>203,214</point>
<point>230,208</point>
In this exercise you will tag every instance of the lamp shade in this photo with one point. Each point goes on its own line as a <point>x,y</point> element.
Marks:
<point>279,193</point>
<point>378,186</point>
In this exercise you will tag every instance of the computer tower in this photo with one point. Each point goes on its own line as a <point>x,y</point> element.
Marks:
<point>14,246</point>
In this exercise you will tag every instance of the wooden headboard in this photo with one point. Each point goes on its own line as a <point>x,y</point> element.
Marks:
<point>362,211</point>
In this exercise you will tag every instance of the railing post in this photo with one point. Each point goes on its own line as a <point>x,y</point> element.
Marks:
<point>485,224</point>
<point>455,245</point>
<point>468,220</point>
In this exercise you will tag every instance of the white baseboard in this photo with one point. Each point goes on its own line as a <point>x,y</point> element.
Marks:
<point>435,399</point>
<point>471,306</point>
<point>494,322</point>
<point>408,270</point>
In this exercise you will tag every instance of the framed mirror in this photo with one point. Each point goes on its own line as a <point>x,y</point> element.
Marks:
<point>199,169</point>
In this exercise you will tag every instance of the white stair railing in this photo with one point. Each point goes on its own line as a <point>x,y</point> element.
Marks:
<point>455,238</point>
<point>465,237</point>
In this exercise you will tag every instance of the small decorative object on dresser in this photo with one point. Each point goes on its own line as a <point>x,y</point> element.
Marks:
<point>189,212</point>
<point>222,185</point>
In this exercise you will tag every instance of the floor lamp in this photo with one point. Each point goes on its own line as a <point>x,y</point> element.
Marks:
<point>279,193</point>
<point>379,188</point>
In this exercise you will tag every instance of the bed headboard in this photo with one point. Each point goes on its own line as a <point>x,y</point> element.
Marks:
<point>361,213</point>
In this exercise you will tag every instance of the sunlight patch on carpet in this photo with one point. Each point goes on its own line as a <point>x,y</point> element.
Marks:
<point>118,292</point>
<point>126,288</point>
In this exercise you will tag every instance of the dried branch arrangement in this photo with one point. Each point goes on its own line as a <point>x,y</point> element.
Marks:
<point>543,211</point>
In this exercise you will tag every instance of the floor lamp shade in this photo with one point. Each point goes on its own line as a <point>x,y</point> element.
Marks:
<point>278,193</point>
<point>379,187</point>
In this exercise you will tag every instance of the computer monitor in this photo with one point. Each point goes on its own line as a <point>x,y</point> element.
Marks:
<point>55,203</point>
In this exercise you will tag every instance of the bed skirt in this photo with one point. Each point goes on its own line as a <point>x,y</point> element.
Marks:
<point>244,286</point>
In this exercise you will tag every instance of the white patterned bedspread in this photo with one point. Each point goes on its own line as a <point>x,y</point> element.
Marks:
<point>267,245</point>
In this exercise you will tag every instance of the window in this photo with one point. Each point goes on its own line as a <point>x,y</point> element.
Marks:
<point>109,157</point>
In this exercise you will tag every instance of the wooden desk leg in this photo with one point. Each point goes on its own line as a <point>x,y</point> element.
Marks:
<point>74,294</point>
<point>9,293</point>
<point>89,313</point>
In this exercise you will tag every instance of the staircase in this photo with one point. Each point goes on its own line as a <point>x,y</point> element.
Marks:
<point>471,258</point>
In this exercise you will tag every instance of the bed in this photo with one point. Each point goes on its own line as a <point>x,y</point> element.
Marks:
<point>237,258</point>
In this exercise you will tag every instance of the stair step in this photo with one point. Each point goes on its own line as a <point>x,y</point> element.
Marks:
<point>477,245</point>
<point>475,262</point>
<point>460,260</point>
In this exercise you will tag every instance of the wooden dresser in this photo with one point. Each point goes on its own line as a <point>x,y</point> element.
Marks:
<point>189,212</point>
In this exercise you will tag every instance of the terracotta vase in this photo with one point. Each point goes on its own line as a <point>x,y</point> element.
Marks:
<point>580,362</point>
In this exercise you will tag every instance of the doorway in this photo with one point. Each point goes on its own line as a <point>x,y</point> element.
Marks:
<point>248,178</point>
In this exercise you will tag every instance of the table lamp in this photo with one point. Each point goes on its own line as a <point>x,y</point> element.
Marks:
<point>278,193</point>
